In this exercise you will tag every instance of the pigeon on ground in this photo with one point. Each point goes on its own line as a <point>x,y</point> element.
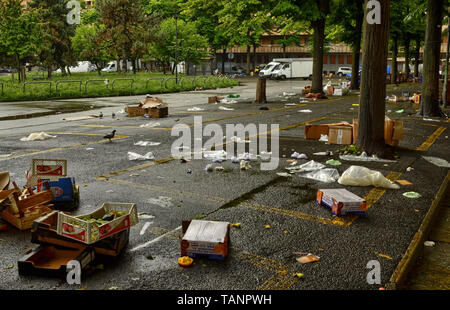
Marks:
<point>110,136</point>
<point>100,115</point>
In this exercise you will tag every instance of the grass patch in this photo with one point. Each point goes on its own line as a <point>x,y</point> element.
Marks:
<point>69,88</point>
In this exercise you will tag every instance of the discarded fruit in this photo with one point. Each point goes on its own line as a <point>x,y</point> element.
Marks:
<point>237,225</point>
<point>185,261</point>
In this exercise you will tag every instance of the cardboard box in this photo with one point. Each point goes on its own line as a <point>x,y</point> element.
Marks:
<point>340,135</point>
<point>77,228</point>
<point>205,238</point>
<point>393,131</point>
<point>215,99</point>
<point>48,260</point>
<point>152,106</point>
<point>313,132</point>
<point>51,169</point>
<point>341,201</point>
<point>44,231</point>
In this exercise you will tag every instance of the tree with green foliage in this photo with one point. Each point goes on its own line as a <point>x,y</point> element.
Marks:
<point>346,19</point>
<point>190,48</point>
<point>56,49</point>
<point>86,42</point>
<point>20,33</point>
<point>124,26</point>
<point>314,12</point>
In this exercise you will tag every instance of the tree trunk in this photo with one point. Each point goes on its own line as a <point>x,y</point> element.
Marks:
<point>68,71</point>
<point>118,65</point>
<point>284,50</point>
<point>63,70</point>
<point>373,84</point>
<point>224,54</point>
<point>261,91</point>
<point>417,56</point>
<point>407,56</point>
<point>319,37</point>
<point>247,71</point>
<point>429,105</point>
<point>394,58</point>
<point>254,57</point>
<point>49,72</point>
<point>356,46</point>
<point>445,98</point>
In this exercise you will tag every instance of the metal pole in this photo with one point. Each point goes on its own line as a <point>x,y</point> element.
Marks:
<point>176,48</point>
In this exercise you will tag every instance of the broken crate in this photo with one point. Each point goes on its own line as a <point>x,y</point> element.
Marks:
<point>83,228</point>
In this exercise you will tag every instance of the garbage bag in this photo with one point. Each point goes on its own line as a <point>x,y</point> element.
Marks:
<point>327,175</point>
<point>309,166</point>
<point>37,136</point>
<point>362,176</point>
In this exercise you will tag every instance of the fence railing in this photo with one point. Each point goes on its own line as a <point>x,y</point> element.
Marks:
<point>68,81</point>
<point>106,81</point>
<point>36,82</point>
<point>130,80</point>
<point>168,79</point>
<point>154,79</point>
<point>2,88</point>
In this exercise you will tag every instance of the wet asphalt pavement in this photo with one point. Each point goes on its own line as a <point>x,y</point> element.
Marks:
<point>260,257</point>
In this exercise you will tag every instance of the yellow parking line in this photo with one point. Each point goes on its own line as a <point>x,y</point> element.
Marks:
<point>60,148</point>
<point>431,139</point>
<point>83,134</point>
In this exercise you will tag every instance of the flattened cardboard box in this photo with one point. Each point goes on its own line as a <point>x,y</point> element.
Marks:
<point>313,132</point>
<point>340,135</point>
<point>205,238</point>
<point>341,201</point>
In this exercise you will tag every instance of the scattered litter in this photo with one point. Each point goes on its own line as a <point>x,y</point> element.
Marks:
<point>239,140</point>
<point>333,162</point>
<point>247,156</point>
<point>233,96</point>
<point>437,161</point>
<point>151,124</point>
<point>109,191</point>
<point>323,138</point>
<point>225,101</point>
<point>237,225</point>
<point>431,120</point>
<point>5,155</point>
<point>309,166</point>
<point>10,267</point>
<point>327,175</point>
<point>304,111</point>
<point>327,153</point>
<point>355,104</point>
<point>310,258</point>
<point>364,157</point>
<point>136,156</point>
<point>412,195</point>
<point>284,174</point>
<point>298,275</point>
<point>267,226</point>
<point>400,111</point>
<point>147,143</point>
<point>429,243</point>
<point>219,168</point>
<point>289,104</point>
<point>215,156</point>
<point>225,108</point>
<point>341,201</point>
<point>185,261</point>
<point>189,171</point>
<point>89,148</point>
<point>409,169</point>
<point>134,175</point>
<point>265,155</point>
<point>404,182</point>
<point>194,109</point>
<point>362,176</point>
<point>145,216</point>
<point>288,94</point>
<point>384,255</point>
<point>245,165</point>
<point>144,228</point>
<point>235,160</point>
<point>209,168</point>
<point>299,156</point>
<point>113,288</point>
<point>37,136</point>
<point>135,279</point>
<point>161,201</point>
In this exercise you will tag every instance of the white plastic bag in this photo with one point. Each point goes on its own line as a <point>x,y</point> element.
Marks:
<point>440,162</point>
<point>309,166</point>
<point>362,176</point>
<point>136,156</point>
<point>37,136</point>
<point>327,175</point>
<point>147,143</point>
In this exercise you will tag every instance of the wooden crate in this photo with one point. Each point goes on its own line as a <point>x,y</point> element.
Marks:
<point>25,221</point>
<point>134,111</point>
<point>158,112</point>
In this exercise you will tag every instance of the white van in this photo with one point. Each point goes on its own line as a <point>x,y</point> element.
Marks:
<point>110,67</point>
<point>288,68</point>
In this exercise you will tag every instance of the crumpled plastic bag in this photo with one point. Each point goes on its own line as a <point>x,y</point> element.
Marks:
<point>147,143</point>
<point>309,166</point>
<point>215,156</point>
<point>136,156</point>
<point>440,162</point>
<point>327,175</point>
<point>150,125</point>
<point>37,136</point>
<point>364,157</point>
<point>362,176</point>
<point>323,138</point>
<point>225,108</point>
<point>194,109</point>
<point>299,156</point>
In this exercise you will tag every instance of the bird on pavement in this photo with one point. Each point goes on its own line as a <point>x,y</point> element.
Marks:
<point>110,136</point>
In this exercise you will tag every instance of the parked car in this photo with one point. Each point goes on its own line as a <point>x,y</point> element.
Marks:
<point>342,71</point>
<point>5,70</point>
<point>231,67</point>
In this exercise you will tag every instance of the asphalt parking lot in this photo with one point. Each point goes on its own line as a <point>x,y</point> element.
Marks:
<point>260,258</point>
